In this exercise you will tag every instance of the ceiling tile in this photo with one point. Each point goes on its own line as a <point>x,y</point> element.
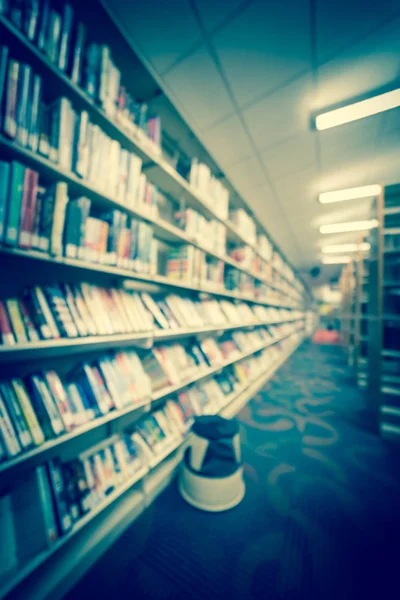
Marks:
<point>207,100</point>
<point>281,115</point>
<point>291,155</point>
<point>228,141</point>
<point>214,13</point>
<point>145,23</point>
<point>255,54</point>
<point>247,174</point>
<point>372,63</point>
<point>340,23</point>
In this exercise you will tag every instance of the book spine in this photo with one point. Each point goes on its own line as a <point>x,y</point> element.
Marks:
<point>44,19</point>
<point>8,436</point>
<point>76,68</point>
<point>17,418</point>
<point>10,111</point>
<point>15,317</point>
<point>61,200</point>
<point>28,412</point>
<point>44,490</point>
<point>54,33</point>
<point>3,77</point>
<point>28,209</point>
<point>65,36</point>
<point>22,104</point>
<point>14,203</point>
<point>41,301</point>
<point>5,177</point>
<point>7,336</point>
<point>31,332</point>
<point>46,218</point>
<point>36,96</point>
<point>37,315</point>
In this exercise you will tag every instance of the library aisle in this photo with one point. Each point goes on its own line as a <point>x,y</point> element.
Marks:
<point>319,519</point>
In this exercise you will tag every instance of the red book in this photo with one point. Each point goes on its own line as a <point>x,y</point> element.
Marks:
<point>28,209</point>
<point>7,336</point>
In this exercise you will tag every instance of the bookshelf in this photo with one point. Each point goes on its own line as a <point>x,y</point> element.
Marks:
<point>221,363</point>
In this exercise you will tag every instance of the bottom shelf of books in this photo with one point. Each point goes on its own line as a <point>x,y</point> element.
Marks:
<point>62,515</point>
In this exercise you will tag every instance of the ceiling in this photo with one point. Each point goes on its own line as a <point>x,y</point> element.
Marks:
<point>247,77</point>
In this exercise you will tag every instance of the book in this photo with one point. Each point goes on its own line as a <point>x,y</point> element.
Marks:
<point>59,495</point>
<point>5,172</point>
<point>60,205</point>
<point>65,37</point>
<point>43,314</point>
<point>14,204</point>
<point>6,332</point>
<point>34,114</point>
<point>34,517</point>
<point>60,397</point>
<point>30,330</point>
<point>53,36</point>
<point>10,109</point>
<point>43,26</point>
<point>28,208</point>
<point>8,546</point>
<point>45,218</point>
<point>16,415</point>
<point>44,407</point>
<point>73,309</point>
<point>8,435</point>
<point>78,45</point>
<point>16,320</point>
<point>3,77</point>
<point>59,309</point>
<point>24,85</point>
<point>30,18</point>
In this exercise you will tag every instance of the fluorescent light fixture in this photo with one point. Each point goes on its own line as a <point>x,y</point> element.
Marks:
<point>352,226</point>
<point>337,248</point>
<point>335,260</point>
<point>358,110</point>
<point>365,191</point>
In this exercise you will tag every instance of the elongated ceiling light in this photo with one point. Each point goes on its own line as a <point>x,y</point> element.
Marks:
<point>352,226</point>
<point>358,110</point>
<point>335,260</point>
<point>365,191</point>
<point>337,248</point>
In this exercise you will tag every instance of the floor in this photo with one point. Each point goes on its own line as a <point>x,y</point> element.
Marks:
<point>320,519</point>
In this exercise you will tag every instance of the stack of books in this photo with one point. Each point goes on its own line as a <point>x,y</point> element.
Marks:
<point>71,310</point>
<point>90,66</point>
<point>212,191</point>
<point>208,232</point>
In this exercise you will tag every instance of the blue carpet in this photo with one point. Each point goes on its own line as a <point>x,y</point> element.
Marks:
<point>319,520</point>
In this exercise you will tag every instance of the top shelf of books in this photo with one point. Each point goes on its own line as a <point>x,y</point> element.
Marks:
<point>95,103</point>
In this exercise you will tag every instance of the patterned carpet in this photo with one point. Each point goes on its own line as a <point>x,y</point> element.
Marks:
<point>320,518</point>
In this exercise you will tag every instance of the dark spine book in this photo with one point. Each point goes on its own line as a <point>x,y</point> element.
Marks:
<point>63,517</point>
<point>37,316</point>
<point>30,18</point>
<point>34,116</point>
<point>16,12</point>
<point>77,54</point>
<point>44,407</point>
<point>72,227</point>
<point>92,70</point>
<point>3,77</point>
<point>46,218</point>
<point>65,40</point>
<point>36,220</point>
<point>16,415</point>
<point>14,204</point>
<point>22,104</point>
<point>10,111</point>
<point>5,177</point>
<point>44,18</point>
<point>4,7</point>
<point>28,210</point>
<point>8,437</point>
<point>30,329</point>
<point>54,33</point>
<point>60,311</point>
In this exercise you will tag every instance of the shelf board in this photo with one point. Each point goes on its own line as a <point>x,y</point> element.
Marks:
<point>161,172</point>
<point>391,353</point>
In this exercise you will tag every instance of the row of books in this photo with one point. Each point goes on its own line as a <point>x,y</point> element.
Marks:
<point>245,224</point>
<point>47,502</point>
<point>46,218</point>
<point>78,310</point>
<point>209,233</point>
<point>209,187</point>
<point>41,406</point>
<point>54,29</point>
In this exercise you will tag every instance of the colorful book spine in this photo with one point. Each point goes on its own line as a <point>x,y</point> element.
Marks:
<point>28,412</point>
<point>30,330</point>
<point>45,407</point>
<point>5,176</point>
<point>60,205</point>
<point>6,332</point>
<point>16,320</point>
<point>63,517</point>
<point>14,203</point>
<point>8,436</point>
<point>10,111</point>
<point>17,418</point>
<point>28,208</point>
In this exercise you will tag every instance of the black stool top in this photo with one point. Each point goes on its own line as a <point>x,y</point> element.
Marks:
<point>214,427</point>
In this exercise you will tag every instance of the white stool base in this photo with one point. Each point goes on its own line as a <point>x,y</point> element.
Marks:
<point>211,494</point>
